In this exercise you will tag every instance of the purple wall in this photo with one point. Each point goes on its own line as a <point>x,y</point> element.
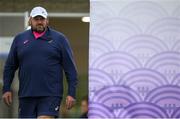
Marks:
<point>134,59</point>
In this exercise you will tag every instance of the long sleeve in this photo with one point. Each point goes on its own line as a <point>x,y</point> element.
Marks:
<point>10,67</point>
<point>69,68</point>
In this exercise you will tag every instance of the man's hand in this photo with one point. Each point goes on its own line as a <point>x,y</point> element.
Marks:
<point>7,97</point>
<point>70,101</point>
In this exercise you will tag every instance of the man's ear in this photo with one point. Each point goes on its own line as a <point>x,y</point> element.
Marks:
<point>47,21</point>
<point>29,22</point>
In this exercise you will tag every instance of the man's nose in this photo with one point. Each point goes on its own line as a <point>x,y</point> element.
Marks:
<point>39,21</point>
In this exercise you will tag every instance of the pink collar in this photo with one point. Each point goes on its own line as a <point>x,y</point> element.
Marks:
<point>37,35</point>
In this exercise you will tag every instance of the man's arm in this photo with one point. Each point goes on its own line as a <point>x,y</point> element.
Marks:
<point>8,74</point>
<point>71,73</point>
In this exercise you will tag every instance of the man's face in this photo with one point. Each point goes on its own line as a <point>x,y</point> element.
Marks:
<point>38,23</point>
<point>84,106</point>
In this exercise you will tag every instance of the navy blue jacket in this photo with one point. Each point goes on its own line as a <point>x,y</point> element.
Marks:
<point>41,63</point>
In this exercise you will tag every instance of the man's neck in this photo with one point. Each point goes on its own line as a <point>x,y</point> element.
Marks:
<point>38,34</point>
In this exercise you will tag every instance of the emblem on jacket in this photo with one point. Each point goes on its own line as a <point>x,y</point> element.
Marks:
<point>26,41</point>
<point>50,41</point>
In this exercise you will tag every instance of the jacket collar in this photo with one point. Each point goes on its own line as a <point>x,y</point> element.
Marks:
<point>46,36</point>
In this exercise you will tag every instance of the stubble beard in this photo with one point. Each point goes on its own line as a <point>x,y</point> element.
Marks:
<point>39,28</point>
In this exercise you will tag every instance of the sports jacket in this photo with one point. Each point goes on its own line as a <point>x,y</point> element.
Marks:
<point>41,63</point>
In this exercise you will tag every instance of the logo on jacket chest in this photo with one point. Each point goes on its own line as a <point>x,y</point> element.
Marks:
<point>25,42</point>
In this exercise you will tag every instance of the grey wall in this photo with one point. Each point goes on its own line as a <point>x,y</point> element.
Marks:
<point>51,5</point>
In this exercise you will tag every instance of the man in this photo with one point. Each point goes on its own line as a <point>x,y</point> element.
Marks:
<point>41,54</point>
<point>84,107</point>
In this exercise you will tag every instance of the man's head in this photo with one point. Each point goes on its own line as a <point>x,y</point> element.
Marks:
<point>84,104</point>
<point>38,19</point>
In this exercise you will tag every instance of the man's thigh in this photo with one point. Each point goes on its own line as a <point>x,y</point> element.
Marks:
<point>27,107</point>
<point>48,106</point>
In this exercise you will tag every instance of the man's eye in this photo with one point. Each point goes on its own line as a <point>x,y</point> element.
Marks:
<point>41,19</point>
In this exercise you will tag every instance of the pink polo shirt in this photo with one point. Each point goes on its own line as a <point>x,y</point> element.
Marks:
<point>37,35</point>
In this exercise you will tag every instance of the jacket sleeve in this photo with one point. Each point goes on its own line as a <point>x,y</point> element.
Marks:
<point>69,68</point>
<point>10,67</point>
